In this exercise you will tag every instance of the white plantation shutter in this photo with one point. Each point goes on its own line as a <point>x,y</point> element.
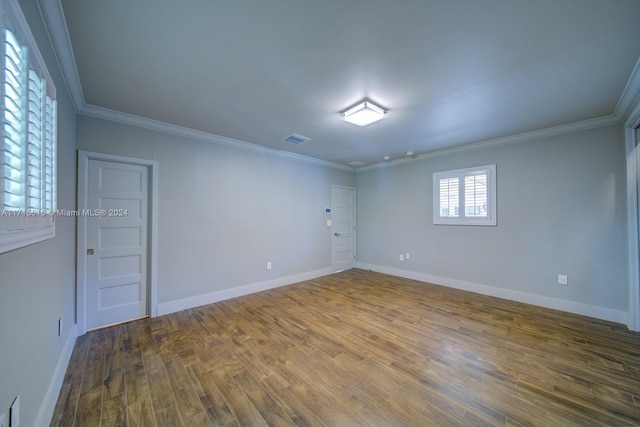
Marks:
<point>28,136</point>
<point>35,153</point>
<point>49,151</point>
<point>475,194</point>
<point>13,105</point>
<point>474,189</point>
<point>449,197</point>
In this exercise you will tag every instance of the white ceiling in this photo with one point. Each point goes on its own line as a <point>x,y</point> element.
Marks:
<point>450,72</point>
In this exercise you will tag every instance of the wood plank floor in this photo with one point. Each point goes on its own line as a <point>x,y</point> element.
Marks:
<point>356,349</point>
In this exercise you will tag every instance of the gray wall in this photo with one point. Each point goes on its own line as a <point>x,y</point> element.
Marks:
<point>224,212</point>
<point>561,209</point>
<point>37,283</point>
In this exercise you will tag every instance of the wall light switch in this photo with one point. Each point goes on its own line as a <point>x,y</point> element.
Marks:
<point>407,256</point>
<point>401,257</point>
<point>563,280</point>
<point>328,223</point>
<point>269,265</point>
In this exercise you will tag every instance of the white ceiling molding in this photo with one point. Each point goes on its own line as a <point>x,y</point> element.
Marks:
<point>56,25</point>
<point>54,20</point>
<point>507,140</point>
<point>630,95</point>
<point>143,122</point>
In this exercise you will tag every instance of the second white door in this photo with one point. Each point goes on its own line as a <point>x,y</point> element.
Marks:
<point>343,212</point>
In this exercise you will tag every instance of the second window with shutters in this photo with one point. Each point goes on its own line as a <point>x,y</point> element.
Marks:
<point>465,196</point>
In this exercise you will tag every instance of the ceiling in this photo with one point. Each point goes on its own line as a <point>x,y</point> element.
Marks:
<point>450,72</point>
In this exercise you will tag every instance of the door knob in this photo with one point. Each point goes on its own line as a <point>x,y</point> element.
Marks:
<point>89,251</point>
<point>337,234</point>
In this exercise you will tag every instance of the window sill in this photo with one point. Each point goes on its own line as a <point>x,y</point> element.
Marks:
<point>12,240</point>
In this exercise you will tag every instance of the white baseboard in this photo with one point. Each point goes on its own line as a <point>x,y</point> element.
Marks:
<point>49,403</point>
<point>539,300</point>
<point>186,303</point>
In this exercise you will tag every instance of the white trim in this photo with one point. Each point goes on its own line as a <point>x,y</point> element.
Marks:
<point>225,294</point>
<point>81,273</point>
<point>56,25</point>
<point>143,122</point>
<point>633,242</point>
<point>497,142</point>
<point>629,108</point>
<point>43,418</point>
<point>630,95</point>
<point>53,17</point>
<point>539,300</point>
<point>20,238</point>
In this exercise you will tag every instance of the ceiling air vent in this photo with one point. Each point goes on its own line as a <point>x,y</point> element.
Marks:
<point>294,138</point>
<point>356,164</point>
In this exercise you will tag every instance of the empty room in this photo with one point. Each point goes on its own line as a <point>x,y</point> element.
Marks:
<point>320,213</point>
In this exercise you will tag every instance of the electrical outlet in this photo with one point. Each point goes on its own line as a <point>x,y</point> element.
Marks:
<point>407,256</point>
<point>401,257</point>
<point>14,413</point>
<point>563,280</point>
<point>269,265</point>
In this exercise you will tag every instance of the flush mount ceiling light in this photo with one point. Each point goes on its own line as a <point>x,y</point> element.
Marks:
<point>363,114</point>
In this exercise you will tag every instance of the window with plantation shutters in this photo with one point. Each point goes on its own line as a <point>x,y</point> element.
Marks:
<point>465,196</point>
<point>28,136</point>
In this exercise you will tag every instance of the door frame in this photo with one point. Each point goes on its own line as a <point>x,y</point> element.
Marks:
<point>355,234</point>
<point>632,146</point>
<point>81,243</point>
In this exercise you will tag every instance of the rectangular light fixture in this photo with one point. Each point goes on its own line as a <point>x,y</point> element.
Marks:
<point>364,114</point>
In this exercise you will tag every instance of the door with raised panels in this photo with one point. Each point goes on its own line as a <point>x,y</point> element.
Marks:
<point>117,219</point>
<point>343,212</point>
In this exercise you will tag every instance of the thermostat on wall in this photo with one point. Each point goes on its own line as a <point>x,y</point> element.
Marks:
<point>327,211</point>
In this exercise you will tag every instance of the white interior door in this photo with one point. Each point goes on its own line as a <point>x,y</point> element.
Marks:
<point>343,212</point>
<point>116,242</point>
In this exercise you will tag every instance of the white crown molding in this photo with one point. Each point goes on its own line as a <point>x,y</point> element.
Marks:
<point>628,107</point>
<point>630,98</point>
<point>56,26</point>
<point>55,23</point>
<point>507,140</point>
<point>143,122</point>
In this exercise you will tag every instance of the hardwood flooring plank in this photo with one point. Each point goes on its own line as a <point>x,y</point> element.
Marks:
<point>77,362</point>
<point>137,384</point>
<point>185,393</point>
<point>64,412</point>
<point>352,349</point>
<point>159,383</point>
<point>272,413</point>
<point>94,368</point>
<point>198,420</point>
<point>89,411</point>
<point>215,405</point>
<point>114,363</point>
<point>114,411</point>
<point>241,406</point>
<point>140,414</point>
<point>169,416</point>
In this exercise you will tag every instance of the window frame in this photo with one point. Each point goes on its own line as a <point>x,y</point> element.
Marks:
<point>462,219</point>
<point>34,219</point>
